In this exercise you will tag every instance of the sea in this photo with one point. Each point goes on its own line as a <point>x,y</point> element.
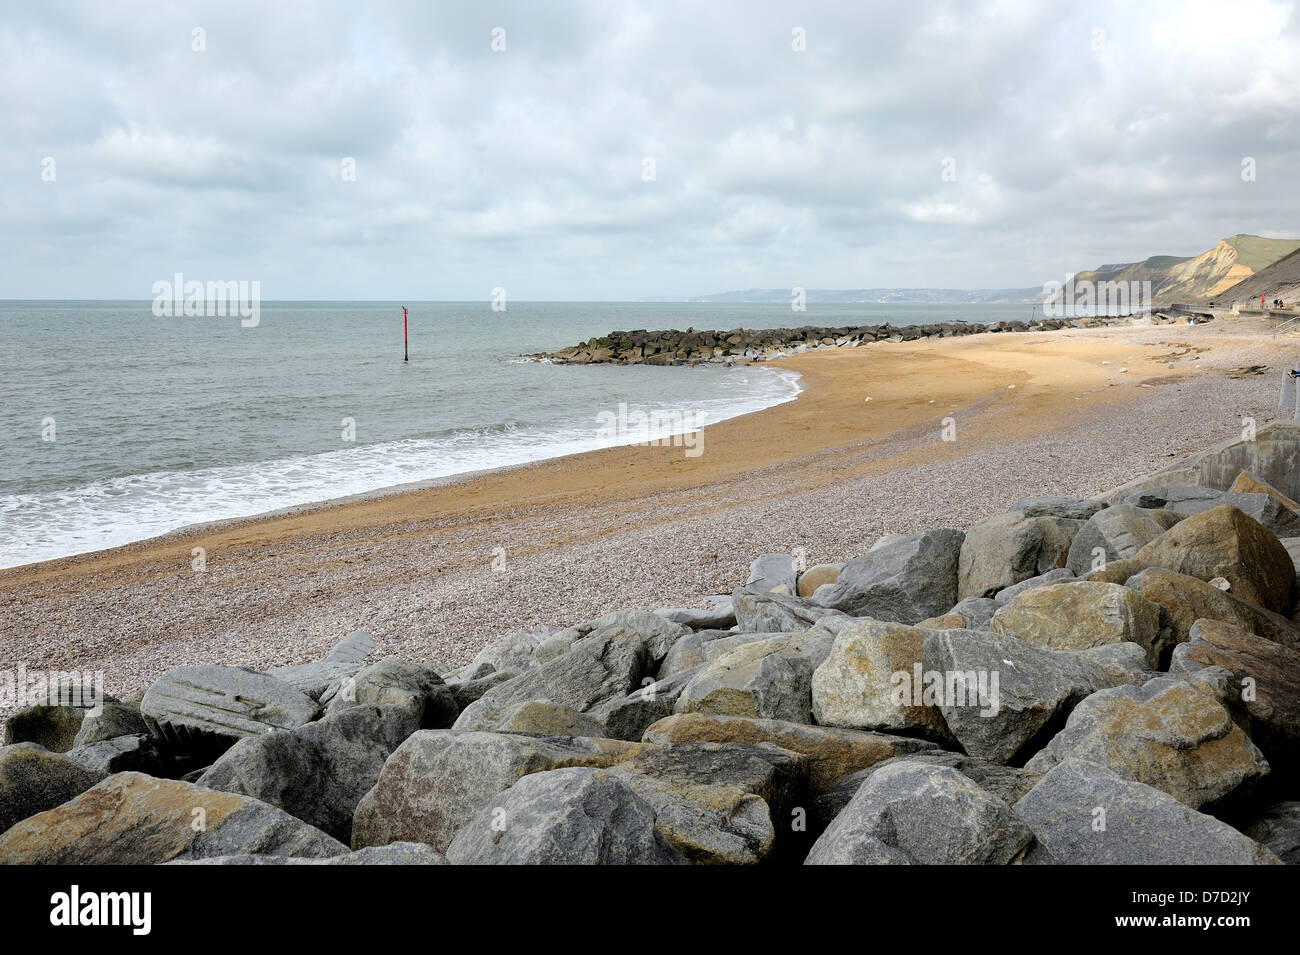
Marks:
<point>121,425</point>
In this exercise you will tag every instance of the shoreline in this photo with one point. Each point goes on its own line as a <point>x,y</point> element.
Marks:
<point>643,526</point>
<point>222,523</point>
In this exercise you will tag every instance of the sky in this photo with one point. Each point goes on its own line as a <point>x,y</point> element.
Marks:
<point>616,149</point>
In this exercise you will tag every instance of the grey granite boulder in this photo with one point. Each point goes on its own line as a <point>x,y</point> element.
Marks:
<point>1186,599</point>
<point>1116,533</point>
<point>1265,682</point>
<point>33,779</point>
<point>608,663</point>
<point>833,753</point>
<point>767,572</point>
<point>1169,733</point>
<point>53,717</point>
<point>207,709</point>
<point>720,802</point>
<point>1081,614</point>
<point>133,819</point>
<point>1073,508</point>
<point>718,616</point>
<point>769,678</point>
<point>416,687</point>
<point>1007,783</point>
<point>906,580</point>
<point>1008,548</point>
<point>1084,814</point>
<point>564,817</point>
<point>320,679</point>
<point>437,781</point>
<point>138,752</point>
<point>997,694</point>
<point>1194,499</point>
<point>320,771</point>
<point>628,717</point>
<point>511,651</point>
<point>113,720</point>
<point>856,685</point>
<point>918,813</point>
<point>528,716</point>
<point>1058,576</point>
<point>777,613</point>
<point>704,646</point>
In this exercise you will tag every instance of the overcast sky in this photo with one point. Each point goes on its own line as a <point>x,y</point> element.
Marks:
<point>1079,133</point>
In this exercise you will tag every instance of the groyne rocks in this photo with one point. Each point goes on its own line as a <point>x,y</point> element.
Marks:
<point>696,346</point>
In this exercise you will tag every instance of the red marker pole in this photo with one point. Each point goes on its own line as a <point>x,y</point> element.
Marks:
<point>406,342</point>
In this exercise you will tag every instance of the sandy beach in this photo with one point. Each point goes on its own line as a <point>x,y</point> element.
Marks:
<point>435,573</point>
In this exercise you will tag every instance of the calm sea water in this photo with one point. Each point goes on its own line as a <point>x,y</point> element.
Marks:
<point>158,423</point>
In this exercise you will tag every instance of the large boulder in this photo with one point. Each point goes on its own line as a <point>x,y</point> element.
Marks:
<point>1169,733</point>
<point>54,716</point>
<point>1187,599</point>
<point>906,580</point>
<point>138,752</point>
<point>564,817</point>
<point>720,802</point>
<point>771,679</point>
<point>857,685</point>
<point>1116,533</point>
<point>528,716</point>
<point>778,613</point>
<point>1084,814</point>
<point>1265,682</point>
<point>33,779</point>
<point>1187,500</point>
<point>133,819</point>
<point>511,651</point>
<point>415,687</point>
<point>833,753</point>
<point>1026,691</point>
<point>321,679</point>
<point>207,709</point>
<point>917,813</point>
<point>320,771</point>
<point>1073,508</point>
<point>1083,614</point>
<point>1008,548</point>
<point>704,646</point>
<point>629,716</point>
<point>818,576</point>
<point>657,633</point>
<point>1058,576</point>
<point>770,571</point>
<point>111,721</point>
<point>1007,783</point>
<point>607,663</point>
<point>720,614</point>
<point>1224,542</point>
<point>438,780</point>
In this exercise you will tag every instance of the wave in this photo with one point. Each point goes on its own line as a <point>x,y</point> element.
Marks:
<point>110,513</point>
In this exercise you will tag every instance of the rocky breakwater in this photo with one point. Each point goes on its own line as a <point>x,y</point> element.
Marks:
<point>671,347</point>
<point>1072,681</point>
